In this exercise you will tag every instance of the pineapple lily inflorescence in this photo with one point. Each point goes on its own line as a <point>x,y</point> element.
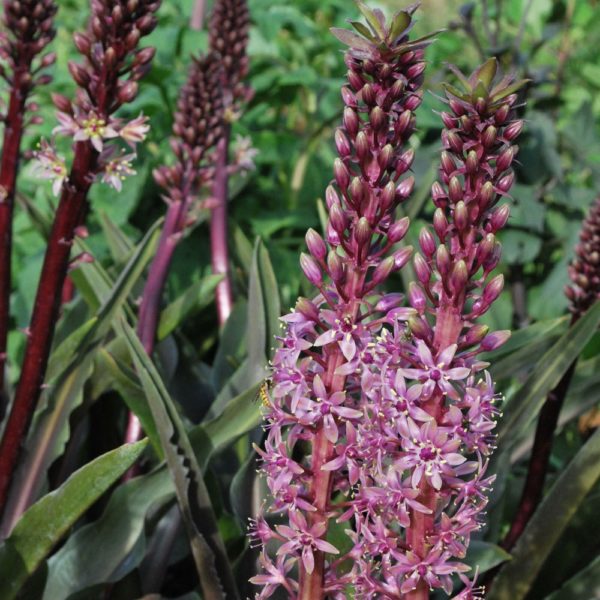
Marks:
<point>380,414</point>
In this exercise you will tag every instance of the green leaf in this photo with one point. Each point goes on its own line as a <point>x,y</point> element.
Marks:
<point>362,30</point>
<point>486,72</point>
<point>585,584</point>
<point>522,408</point>
<point>399,24</point>
<point>548,522</point>
<point>351,39</point>
<point>195,298</point>
<point>207,546</point>
<point>485,556</point>
<point>371,17</point>
<point>50,431</point>
<point>48,520</point>
<point>118,242</point>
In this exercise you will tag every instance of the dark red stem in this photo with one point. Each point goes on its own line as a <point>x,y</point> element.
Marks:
<point>218,230</point>
<point>9,167</point>
<point>153,290</point>
<point>540,458</point>
<point>71,207</point>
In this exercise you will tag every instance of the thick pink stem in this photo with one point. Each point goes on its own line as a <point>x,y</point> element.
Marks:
<point>218,230</point>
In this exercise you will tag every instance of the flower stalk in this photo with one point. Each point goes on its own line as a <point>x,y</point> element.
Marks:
<point>113,65</point>
<point>228,36</point>
<point>29,27</point>
<point>380,414</point>
<point>584,291</point>
<point>198,125</point>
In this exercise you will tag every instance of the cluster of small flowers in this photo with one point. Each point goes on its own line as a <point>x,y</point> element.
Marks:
<point>584,270</point>
<point>198,126</point>
<point>380,415</point>
<point>110,49</point>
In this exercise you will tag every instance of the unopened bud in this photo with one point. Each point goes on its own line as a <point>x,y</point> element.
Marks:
<point>505,159</point>
<point>405,161</point>
<point>338,218</point>
<point>472,162</point>
<point>335,266</point>
<point>442,259</point>
<point>414,101</point>
<point>427,242</point>
<point>493,288</point>
<point>382,270</point>
<point>368,94</point>
<point>342,176</point>
<point>440,223</point>
<point>388,195</point>
<point>489,136</point>
<point>362,145</point>
<point>475,334</point>
<point>351,121</point>
<point>437,193</point>
<point>419,328</point>
<point>447,163</point>
<point>505,183</point>
<point>316,245</point>
<point>307,308</point>
<point>79,74</point>
<point>422,269</point>
<point>82,43</point>
<point>342,144</point>
<point>500,217</point>
<point>448,120</point>
<point>128,92</point>
<point>389,301</point>
<point>454,142</point>
<point>403,122</point>
<point>377,118</point>
<point>402,257</point>
<point>363,232</point>
<point>513,131</point>
<point>405,188</point>
<point>459,277</point>
<point>461,216</point>
<point>455,190</point>
<point>357,191</point>
<point>416,297</point>
<point>487,195</point>
<point>398,230</point>
<point>494,340</point>
<point>62,103</point>
<point>385,157</point>
<point>311,269</point>
<point>502,114</point>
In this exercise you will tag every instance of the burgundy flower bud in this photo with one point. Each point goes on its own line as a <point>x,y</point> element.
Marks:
<point>62,103</point>
<point>79,74</point>
<point>454,142</point>
<point>427,242</point>
<point>357,191</point>
<point>493,288</point>
<point>442,259</point>
<point>500,217</point>
<point>362,145</point>
<point>404,122</point>
<point>377,118</point>
<point>405,161</point>
<point>459,277</point>
<point>447,162</point>
<point>461,216</point>
<point>489,136</point>
<point>48,60</point>
<point>422,269</point>
<point>398,230</point>
<point>513,130</point>
<point>505,182</point>
<point>487,195</point>
<point>501,114</point>
<point>311,269</point>
<point>363,232</point>
<point>402,257</point>
<point>388,195</point>
<point>342,176</point>
<point>144,56</point>
<point>338,218</point>
<point>128,92</point>
<point>342,144</point>
<point>416,297</point>
<point>316,245</point>
<point>348,97</point>
<point>307,308</point>
<point>448,120</point>
<point>455,190</point>
<point>389,301</point>
<point>505,159</point>
<point>331,197</point>
<point>335,266</point>
<point>368,94</point>
<point>494,340</point>
<point>405,188</point>
<point>437,192</point>
<point>351,121</point>
<point>486,248</point>
<point>472,162</point>
<point>440,223</point>
<point>475,334</point>
<point>413,102</point>
<point>385,157</point>
<point>420,328</point>
<point>82,43</point>
<point>355,80</point>
<point>382,270</point>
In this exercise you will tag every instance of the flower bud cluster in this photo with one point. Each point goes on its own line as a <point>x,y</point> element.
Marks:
<point>108,78</point>
<point>584,270</point>
<point>228,36</point>
<point>28,29</point>
<point>198,126</point>
<point>380,415</point>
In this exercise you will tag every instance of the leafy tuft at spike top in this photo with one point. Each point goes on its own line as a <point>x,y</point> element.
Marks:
<point>108,79</point>
<point>380,414</point>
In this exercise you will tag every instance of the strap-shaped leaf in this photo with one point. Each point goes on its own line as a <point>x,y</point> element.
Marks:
<point>207,546</point>
<point>585,584</point>
<point>48,520</point>
<point>548,523</point>
<point>523,407</point>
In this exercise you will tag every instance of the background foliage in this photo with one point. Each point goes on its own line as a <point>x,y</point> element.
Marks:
<point>296,73</point>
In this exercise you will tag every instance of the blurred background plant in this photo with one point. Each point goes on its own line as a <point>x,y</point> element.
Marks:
<point>125,545</point>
